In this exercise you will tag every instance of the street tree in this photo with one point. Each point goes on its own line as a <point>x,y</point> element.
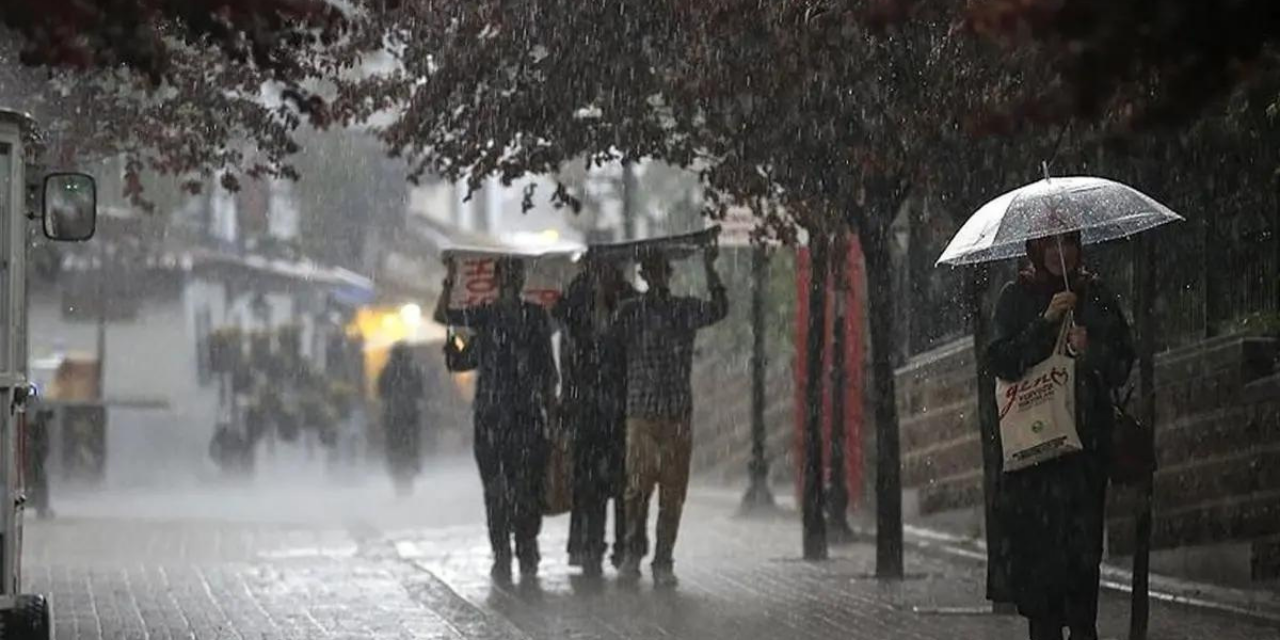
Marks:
<point>824,116</point>
<point>1141,63</point>
<point>189,88</point>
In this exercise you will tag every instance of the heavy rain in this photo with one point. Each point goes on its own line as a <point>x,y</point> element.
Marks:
<point>710,320</point>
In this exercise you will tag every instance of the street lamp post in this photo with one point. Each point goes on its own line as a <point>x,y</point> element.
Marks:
<point>758,497</point>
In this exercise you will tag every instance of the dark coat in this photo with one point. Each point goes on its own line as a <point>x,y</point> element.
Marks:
<point>1053,512</point>
<point>516,364</point>
<point>401,388</point>
<point>594,391</point>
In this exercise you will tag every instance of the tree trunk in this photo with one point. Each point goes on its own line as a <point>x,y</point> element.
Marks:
<point>838,503</point>
<point>815,526</point>
<point>888,456</point>
<point>630,229</point>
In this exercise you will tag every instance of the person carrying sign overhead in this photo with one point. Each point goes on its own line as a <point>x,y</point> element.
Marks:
<point>659,329</point>
<point>593,401</point>
<point>515,391</point>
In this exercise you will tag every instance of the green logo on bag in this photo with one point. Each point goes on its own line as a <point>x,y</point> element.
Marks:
<point>1037,427</point>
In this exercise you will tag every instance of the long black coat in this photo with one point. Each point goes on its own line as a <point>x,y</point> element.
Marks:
<point>594,391</point>
<point>1053,512</point>
<point>401,389</point>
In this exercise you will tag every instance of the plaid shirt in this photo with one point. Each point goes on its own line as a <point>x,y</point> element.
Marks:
<point>659,330</point>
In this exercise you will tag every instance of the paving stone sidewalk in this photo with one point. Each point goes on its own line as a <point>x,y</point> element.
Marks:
<point>742,580</point>
<point>419,571</point>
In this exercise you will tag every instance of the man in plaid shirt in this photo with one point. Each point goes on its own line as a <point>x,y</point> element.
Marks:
<point>659,330</point>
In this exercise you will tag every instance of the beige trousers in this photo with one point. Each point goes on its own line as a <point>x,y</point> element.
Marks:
<point>658,453</point>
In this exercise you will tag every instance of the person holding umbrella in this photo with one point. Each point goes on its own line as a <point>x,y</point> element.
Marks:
<point>1053,511</point>
<point>1049,499</point>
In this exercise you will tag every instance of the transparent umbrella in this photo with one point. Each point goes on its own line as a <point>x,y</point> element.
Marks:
<point>1098,208</point>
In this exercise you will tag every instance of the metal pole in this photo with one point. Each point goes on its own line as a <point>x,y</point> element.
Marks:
<point>815,526</point>
<point>758,496</point>
<point>100,285</point>
<point>838,505</point>
<point>629,230</point>
<point>1140,606</point>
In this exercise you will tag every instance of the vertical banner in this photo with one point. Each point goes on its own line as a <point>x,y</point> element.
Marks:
<point>854,357</point>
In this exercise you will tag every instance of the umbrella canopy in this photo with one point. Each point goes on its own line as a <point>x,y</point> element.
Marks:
<point>1098,208</point>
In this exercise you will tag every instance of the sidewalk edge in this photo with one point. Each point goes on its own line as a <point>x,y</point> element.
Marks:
<point>1167,589</point>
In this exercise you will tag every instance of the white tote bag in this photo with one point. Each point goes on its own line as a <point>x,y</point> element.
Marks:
<point>1038,412</point>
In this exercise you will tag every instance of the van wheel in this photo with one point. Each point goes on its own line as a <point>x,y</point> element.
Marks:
<point>28,620</point>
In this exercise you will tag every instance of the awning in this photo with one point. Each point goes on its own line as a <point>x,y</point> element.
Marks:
<point>346,286</point>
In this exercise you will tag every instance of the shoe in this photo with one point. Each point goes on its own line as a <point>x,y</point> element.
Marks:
<point>501,571</point>
<point>664,577</point>
<point>593,568</point>
<point>576,559</point>
<point>629,572</point>
<point>529,568</point>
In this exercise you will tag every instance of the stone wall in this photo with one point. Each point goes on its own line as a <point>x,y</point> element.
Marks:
<point>1218,440</point>
<point>937,409</point>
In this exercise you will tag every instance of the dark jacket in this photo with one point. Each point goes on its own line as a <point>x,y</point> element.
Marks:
<point>401,388</point>
<point>517,368</point>
<point>594,390</point>
<point>1053,512</point>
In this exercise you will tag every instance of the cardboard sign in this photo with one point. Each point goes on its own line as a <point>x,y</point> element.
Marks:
<point>476,280</point>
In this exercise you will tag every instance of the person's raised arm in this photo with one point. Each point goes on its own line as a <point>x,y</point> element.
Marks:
<point>702,313</point>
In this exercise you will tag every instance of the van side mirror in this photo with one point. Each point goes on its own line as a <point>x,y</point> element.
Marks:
<point>70,212</point>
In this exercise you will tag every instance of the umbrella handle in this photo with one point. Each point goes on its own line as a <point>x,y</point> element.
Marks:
<point>1066,279</point>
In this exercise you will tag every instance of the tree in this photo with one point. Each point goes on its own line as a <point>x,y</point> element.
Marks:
<point>811,112</point>
<point>189,88</point>
<point>1142,62</point>
<point>145,36</point>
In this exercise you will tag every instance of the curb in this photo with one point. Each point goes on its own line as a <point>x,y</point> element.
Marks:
<point>1256,605</point>
<point>1187,593</point>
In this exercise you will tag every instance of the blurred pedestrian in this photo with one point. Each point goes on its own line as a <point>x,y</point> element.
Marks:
<point>400,387</point>
<point>660,329</point>
<point>593,404</point>
<point>1053,511</point>
<point>37,460</point>
<point>515,391</point>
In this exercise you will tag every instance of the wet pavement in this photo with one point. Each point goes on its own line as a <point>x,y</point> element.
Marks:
<point>321,560</point>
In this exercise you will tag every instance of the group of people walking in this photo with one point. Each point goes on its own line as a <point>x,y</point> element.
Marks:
<point>625,399</point>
